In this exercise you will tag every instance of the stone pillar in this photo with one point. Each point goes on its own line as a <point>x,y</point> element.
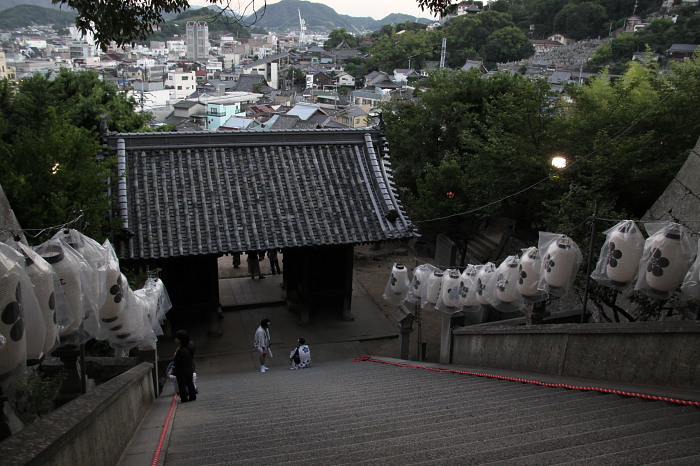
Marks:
<point>72,386</point>
<point>445,339</point>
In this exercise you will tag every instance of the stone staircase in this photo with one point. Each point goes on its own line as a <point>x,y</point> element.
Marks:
<point>347,412</point>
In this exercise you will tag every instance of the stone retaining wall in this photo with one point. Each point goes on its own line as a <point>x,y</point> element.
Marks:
<point>93,429</point>
<point>663,354</point>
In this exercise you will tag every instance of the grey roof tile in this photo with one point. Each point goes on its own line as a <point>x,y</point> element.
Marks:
<point>210,193</point>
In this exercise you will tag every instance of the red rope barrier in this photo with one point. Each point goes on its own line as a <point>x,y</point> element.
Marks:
<point>156,456</point>
<point>536,382</point>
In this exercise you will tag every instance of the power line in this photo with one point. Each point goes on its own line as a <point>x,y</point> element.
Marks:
<point>553,175</point>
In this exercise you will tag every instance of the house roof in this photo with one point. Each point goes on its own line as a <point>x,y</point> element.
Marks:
<point>246,83</point>
<point>304,111</point>
<point>204,193</point>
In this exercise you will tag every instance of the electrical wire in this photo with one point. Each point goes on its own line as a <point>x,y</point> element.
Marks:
<point>553,175</point>
<point>41,231</point>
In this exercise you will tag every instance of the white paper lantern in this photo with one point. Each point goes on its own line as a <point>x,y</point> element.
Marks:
<point>420,280</point>
<point>399,280</point>
<point>625,248</point>
<point>467,284</point>
<point>482,280</point>
<point>434,286</point>
<point>43,278</point>
<point>112,316</point>
<point>450,288</point>
<point>529,272</point>
<point>14,352</point>
<point>507,280</point>
<point>68,270</point>
<point>668,263</point>
<point>559,262</point>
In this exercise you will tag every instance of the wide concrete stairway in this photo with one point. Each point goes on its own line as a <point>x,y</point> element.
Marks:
<point>347,412</point>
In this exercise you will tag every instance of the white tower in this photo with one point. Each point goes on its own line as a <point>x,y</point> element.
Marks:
<point>302,29</point>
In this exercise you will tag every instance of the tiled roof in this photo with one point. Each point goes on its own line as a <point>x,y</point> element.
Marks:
<point>210,193</point>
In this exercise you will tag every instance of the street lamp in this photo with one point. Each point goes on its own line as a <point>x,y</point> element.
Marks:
<point>559,162</point>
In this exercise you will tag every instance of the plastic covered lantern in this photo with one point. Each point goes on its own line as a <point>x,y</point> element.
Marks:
<point>419,283</point>
<point>34,325</point>
<point>691,282</point>
<point>397,287</point>
<point>449,292</point>
<point>467,288</point>
<point>529,276</point>
<point>503,292</point>
<point>44,281</point>
<point>561,259</point>
<point>432,291</point>
<point>482,279</point>
<point>13,353</point>
<point>75,275</point>
<point>668,255</point>
<point>620,255</point>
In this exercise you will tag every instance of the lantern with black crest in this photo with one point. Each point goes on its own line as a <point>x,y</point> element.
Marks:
<point>561,258</point>
<point>396,289</point>
<point>668,255</point>
<point>619,257</point>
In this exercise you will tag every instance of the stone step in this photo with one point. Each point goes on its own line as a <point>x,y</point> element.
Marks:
<point>353,413</point>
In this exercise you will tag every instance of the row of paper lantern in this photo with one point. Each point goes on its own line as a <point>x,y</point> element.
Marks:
<point>69,290</point>
<point>656,266</point>
<point>548,269</point>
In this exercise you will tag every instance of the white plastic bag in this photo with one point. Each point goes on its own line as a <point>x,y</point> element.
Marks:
<point>691,282</point>
<point>561,258</point>
<point>467,288</point>
<point>502,292</point>
<point>618,263</point>
<point>668,255</point>
<point>419,283</point>
<point>448,301</point>
<point>396,290</point>
<point>482,280</point>
<point>529,276</point>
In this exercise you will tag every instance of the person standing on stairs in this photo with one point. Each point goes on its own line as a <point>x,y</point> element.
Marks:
<point>262,342</point>
<point>184,368</point>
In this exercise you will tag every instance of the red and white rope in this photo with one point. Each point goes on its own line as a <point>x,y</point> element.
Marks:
<point>536,382</point>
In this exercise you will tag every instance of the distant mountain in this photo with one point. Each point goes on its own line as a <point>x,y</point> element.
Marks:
<point>284,16</point>
<point>5,4</point>
<point>28,15</point>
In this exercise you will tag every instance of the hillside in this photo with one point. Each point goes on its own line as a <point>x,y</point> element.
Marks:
<point>27,15</point>
<point>284,16</point>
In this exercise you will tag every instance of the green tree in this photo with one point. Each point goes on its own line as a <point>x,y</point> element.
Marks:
<point>581,21</point>
<point>52,164</point>
<point>407,50</point>
<point>337,36</point>
<point>468,33</point>
<point>507,44</point>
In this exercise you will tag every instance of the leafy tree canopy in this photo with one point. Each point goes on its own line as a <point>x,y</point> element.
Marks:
<point>337,36</point>
<point>51,165</point>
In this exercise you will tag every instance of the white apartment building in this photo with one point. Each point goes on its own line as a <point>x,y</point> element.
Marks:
<point>197,41</point>
<point>181,84</point>
<point>177,47</point>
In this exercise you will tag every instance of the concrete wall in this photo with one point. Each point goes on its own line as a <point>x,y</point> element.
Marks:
<point>652,353</point>
<point>93,429</point>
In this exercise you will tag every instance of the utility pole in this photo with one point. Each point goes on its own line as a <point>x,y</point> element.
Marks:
<point>442,53</point>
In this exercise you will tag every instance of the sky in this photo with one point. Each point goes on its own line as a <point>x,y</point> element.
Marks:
<point>376,9</point>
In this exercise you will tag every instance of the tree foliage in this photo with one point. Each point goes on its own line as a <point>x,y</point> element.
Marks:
<point>484,140</point>
<point>51,165</point>
<point>581,21</point>
<point>337,36</point>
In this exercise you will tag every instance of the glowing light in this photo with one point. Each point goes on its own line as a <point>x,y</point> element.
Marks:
<point>559,162</point>
<point>450,195</point>
<point>54,169</point>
